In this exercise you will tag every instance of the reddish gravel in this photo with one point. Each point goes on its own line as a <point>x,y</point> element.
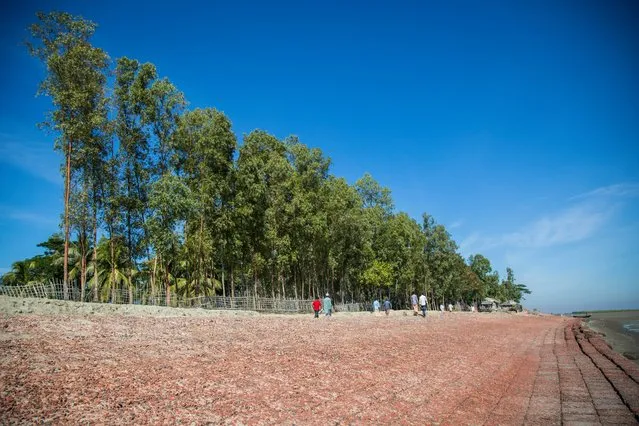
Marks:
<point>349,369</point>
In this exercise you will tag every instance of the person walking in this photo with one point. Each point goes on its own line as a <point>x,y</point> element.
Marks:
<point>413,301</point>
<point>317,305</point>
<point>441,310</point>
<point>327,305</point>
<point>423,303</point>
<point>387,306</point>
<point>376,306</point>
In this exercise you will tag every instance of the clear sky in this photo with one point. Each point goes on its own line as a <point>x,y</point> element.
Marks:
<point>514,123</point>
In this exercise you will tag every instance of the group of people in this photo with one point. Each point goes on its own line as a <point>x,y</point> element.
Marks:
<point>423,304</point>
<point>419,303</point>
<point>325,305</point>
<point>387,306</point>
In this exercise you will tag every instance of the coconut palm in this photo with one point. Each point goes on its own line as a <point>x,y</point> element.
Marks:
<point>112,268</point>
<point>21,273</point>
<point>75,266</point>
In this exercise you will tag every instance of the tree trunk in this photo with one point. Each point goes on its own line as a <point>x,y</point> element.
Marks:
<point>67,193</point>
<point>223,276</point>
<point>200,268</point>
<point>167,288</point>
<point>254,287</point>
<point>153,278</point>
<point>83,276</point>
<point>283,286</point>
<point>232,283</point>
<point>130,284</point>
<point>96,272</point>
<point>333,283</point>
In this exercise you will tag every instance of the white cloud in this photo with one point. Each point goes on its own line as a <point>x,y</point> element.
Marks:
<point>36,158</point>
<point>456,224</point>
<point>471,242</point>
<point>34,218</point>
<point>570,225</point>
<point>626,189</point>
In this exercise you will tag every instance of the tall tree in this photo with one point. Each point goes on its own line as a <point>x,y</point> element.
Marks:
<point>132,95</point>
<point>171,203</point>
<point>307,250</point>
<point>481,266</point>
<point>204,145</point>
<point>263,189</point>
<point>164,105</point>
<point>349,237</point>
<point>75,81</point>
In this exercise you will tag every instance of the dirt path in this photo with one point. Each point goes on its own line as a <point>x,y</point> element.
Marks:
<point>350,369</point>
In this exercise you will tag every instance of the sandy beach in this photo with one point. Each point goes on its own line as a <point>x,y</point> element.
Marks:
<point>620,330</point>
<point>73,364</point>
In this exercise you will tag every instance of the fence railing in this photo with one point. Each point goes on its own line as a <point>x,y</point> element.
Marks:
<point>55,290</point>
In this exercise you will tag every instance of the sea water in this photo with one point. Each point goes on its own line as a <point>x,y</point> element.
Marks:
<point>631,326</point>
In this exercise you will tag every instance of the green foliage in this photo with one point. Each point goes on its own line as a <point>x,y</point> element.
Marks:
<point>38,268</point>
<point>378,274</point>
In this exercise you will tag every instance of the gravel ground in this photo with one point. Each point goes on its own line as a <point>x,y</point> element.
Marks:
<point>171,367</point>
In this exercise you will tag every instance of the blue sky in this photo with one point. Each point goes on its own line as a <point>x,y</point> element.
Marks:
<point>516,124</point>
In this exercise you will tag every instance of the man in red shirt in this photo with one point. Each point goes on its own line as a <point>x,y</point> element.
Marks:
<point>317,305</point>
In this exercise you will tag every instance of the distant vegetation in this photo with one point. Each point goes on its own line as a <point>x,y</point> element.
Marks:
<point>158,196</point>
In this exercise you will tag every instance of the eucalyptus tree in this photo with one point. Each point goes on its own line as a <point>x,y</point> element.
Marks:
<point>442,260</point>
<point>203,150</point>
<point>512,290</point>
<point>171,204</point>
<point>263,193</point>
<point>377,205</point>
<point>81,221</point>
<point>378,275</point>
<point>481,266</point>
<point>349,237</point>
<point>75,80</point>
<point>163,107</point>
<point>132,87</point>
<point>402,245</point>
<point>311,255</point>
<point>374,195</point>
<point>147,112</point>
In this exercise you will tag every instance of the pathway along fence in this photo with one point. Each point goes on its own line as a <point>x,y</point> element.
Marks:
<point>55,290</point>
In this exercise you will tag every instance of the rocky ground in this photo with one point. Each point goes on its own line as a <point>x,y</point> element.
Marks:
<point>140,365</point>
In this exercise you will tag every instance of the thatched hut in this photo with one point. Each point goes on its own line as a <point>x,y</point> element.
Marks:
<point>510,305</point>
<point>488,305</point>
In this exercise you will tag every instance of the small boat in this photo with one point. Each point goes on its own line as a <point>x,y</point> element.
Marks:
<point>580,315</point>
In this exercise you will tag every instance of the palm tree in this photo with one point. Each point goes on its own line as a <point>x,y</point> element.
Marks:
<point>75,264</point>
<point>22,272</point>
<point>112,270</point>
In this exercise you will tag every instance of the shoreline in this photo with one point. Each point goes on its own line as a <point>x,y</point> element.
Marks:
<point>610,326</point>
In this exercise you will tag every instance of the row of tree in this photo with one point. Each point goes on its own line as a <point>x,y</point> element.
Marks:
<point>159,197</point>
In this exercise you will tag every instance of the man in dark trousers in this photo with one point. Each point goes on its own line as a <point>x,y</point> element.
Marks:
<point>387,306</point>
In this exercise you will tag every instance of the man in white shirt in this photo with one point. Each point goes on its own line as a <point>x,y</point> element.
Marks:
<point>423,304</point>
